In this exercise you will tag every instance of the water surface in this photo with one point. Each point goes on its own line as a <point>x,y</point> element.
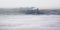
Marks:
<point>29,22</point>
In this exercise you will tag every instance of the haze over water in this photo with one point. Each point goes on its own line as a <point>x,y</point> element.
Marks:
<point>30,22</point>
<point>17,18</point>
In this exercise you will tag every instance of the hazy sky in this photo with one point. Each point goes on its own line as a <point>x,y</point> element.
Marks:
<point>30,3</point>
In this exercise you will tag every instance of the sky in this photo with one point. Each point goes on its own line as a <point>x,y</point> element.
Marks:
<point>30,3</point>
